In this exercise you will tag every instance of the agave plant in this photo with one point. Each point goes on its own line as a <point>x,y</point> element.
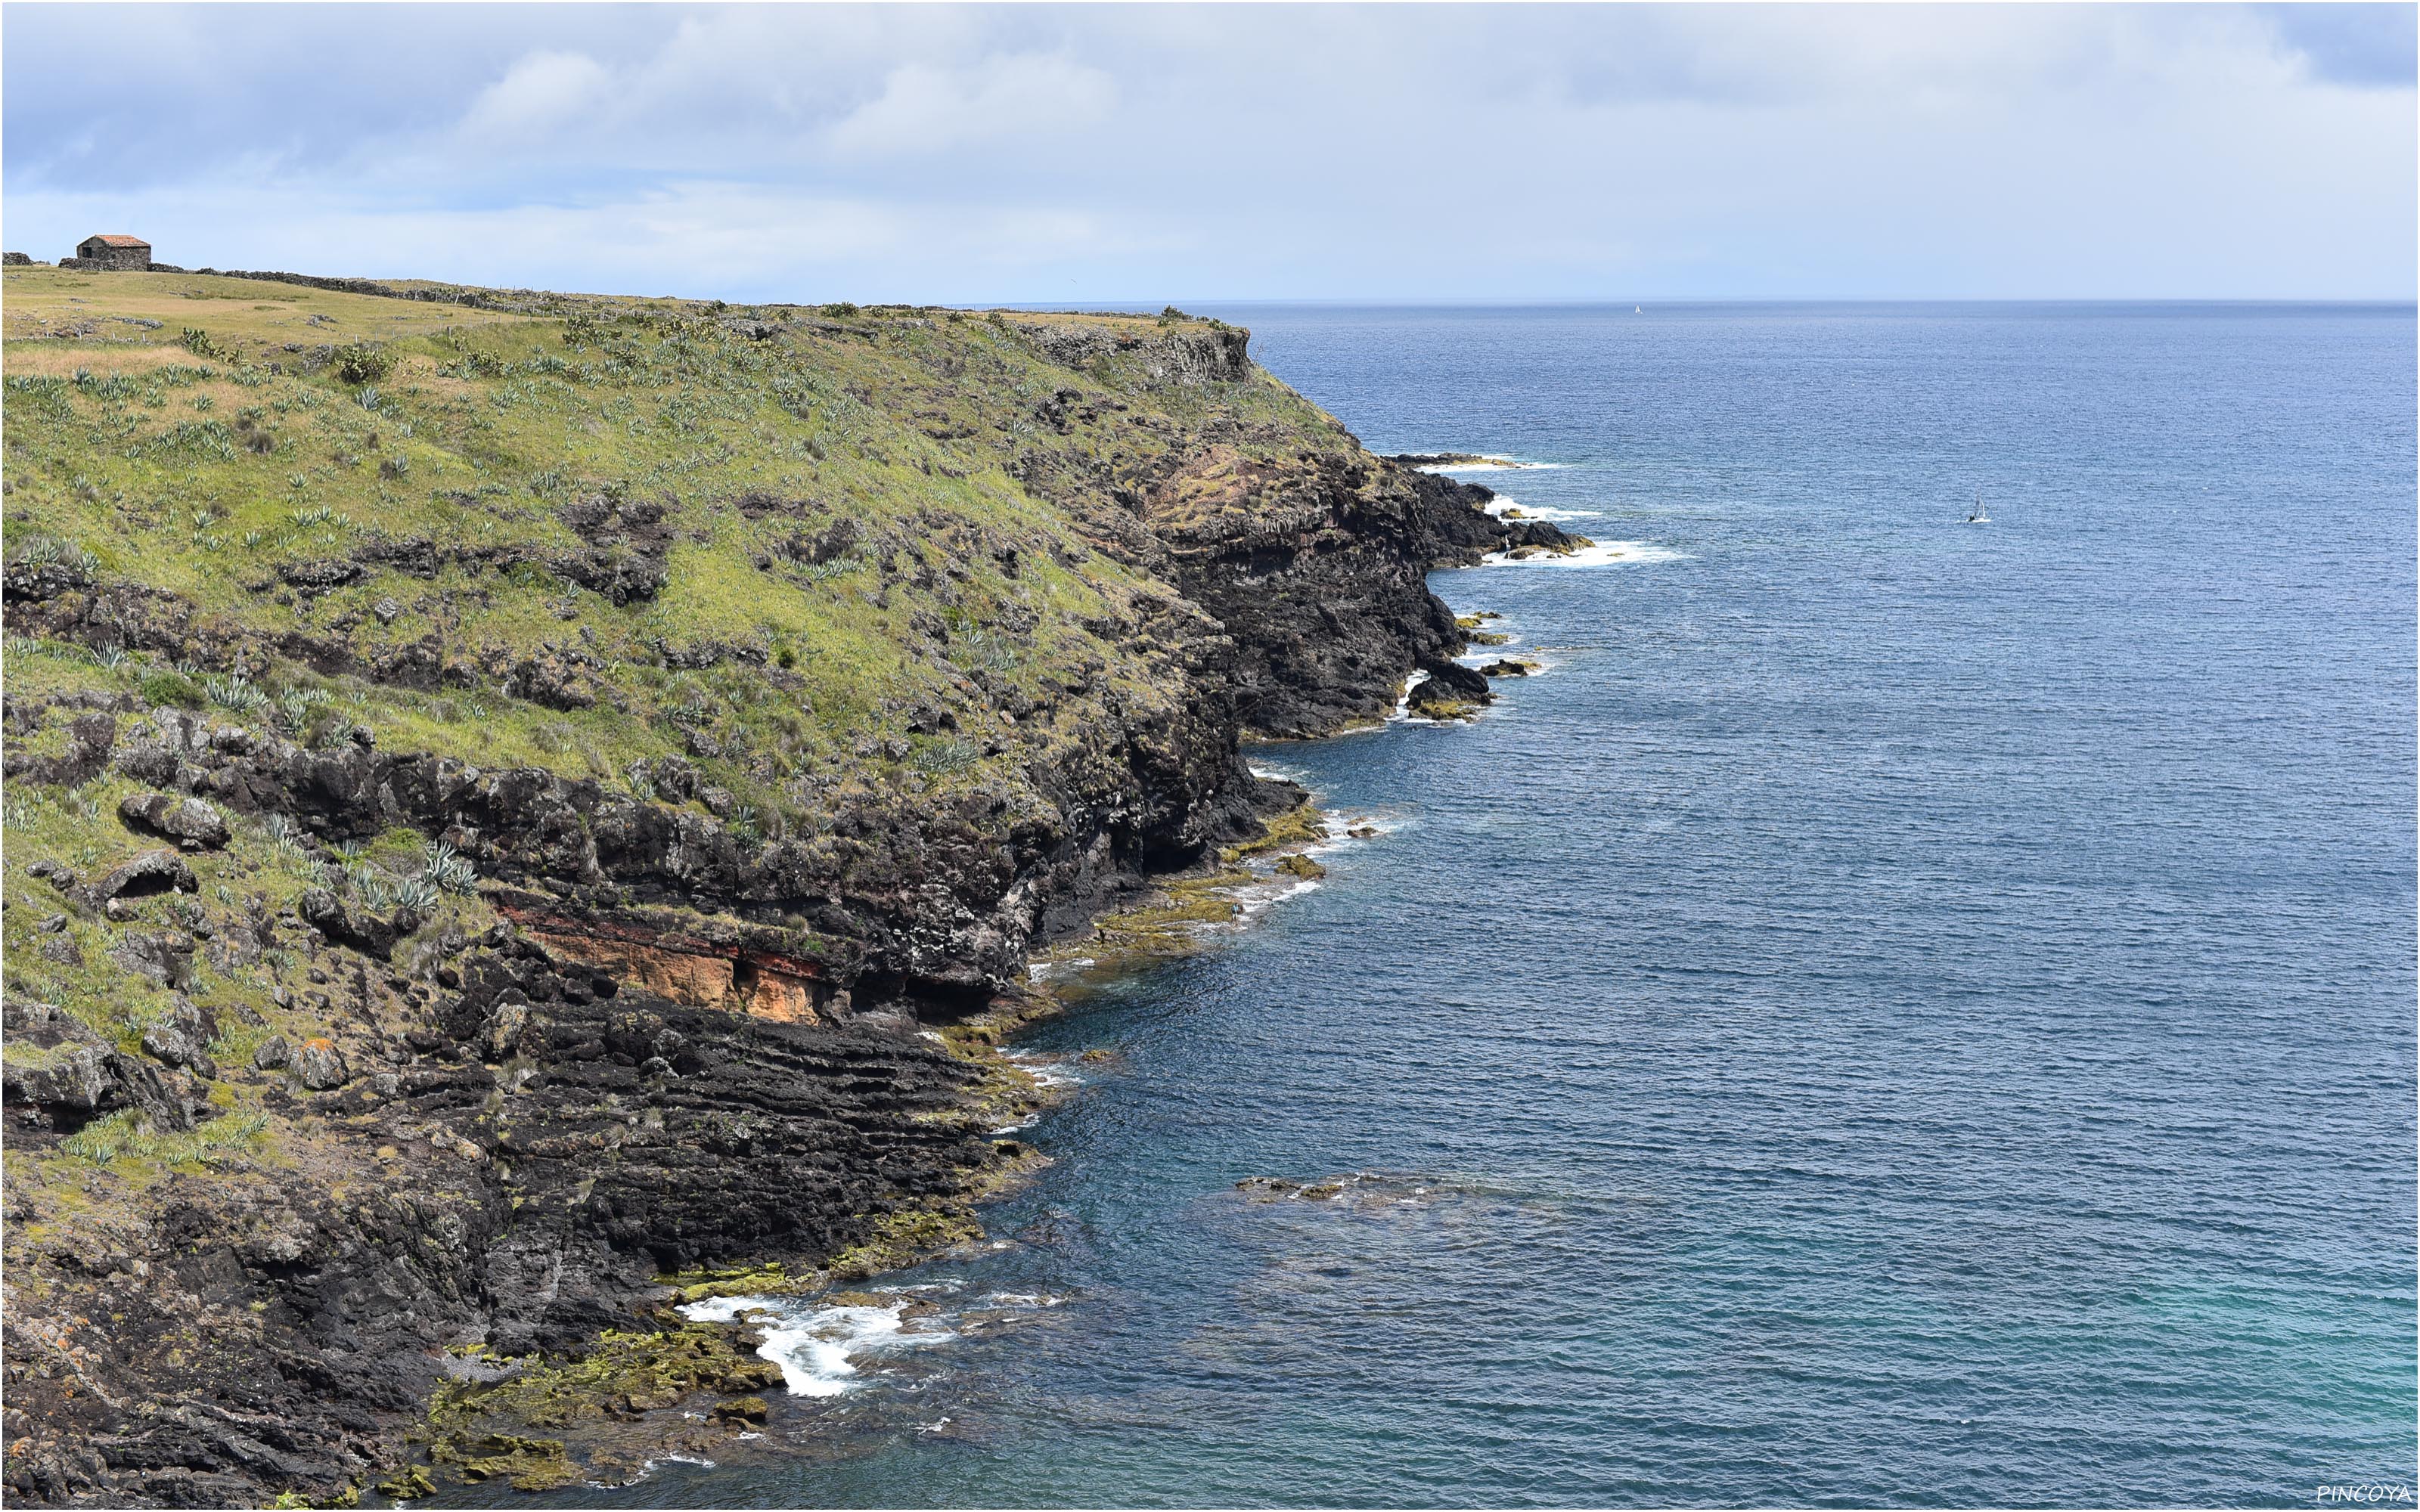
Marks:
<point>374,887</point>
<point>418,894</point>
<point>295,707</point>
<point>444,868</point>
<point>283,835</point>
<point>50,549</point>
<point>239,694</point>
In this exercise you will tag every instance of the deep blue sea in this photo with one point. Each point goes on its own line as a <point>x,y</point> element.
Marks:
<point>1896,1012</point>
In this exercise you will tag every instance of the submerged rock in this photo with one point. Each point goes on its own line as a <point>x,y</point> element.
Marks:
<point>1355,1190</point>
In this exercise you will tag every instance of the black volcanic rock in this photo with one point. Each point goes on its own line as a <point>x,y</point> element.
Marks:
<point>151,873</point>
<point>190,823</point>
<point>668,1013</point>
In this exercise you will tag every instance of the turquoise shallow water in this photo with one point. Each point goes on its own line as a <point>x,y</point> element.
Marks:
<point>1896,1012</point>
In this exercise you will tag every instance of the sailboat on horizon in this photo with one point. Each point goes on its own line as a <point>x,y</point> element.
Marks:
<point>1980,516</point>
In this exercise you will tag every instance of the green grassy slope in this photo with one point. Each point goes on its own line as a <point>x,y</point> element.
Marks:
<point>856,634</point>
<point>333,515</point>
<point>260,431</point>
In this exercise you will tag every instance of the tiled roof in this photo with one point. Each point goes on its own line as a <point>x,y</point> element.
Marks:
<point>119,242</point>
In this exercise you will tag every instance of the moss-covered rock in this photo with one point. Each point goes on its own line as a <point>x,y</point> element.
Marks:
<point>526,1464</point>
<point>902,1238</point>
<point>410,1482</point>
<point>1299,825</point>
<point>535,1426</point>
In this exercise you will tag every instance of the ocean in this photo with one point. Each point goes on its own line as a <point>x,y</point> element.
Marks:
<point>1895,1011</point>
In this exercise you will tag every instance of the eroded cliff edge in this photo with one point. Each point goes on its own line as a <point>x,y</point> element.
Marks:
<point>502,787</point>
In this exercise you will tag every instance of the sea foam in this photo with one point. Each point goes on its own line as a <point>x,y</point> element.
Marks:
<point>1603,554</point>
<point>1497,505</point>
<point>1049,1070</point>
<point>814,1354</point>
<point>815,1349</point>
<point>1489,462</point>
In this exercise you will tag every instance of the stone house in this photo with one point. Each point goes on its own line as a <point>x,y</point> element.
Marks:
<point>106,253</point>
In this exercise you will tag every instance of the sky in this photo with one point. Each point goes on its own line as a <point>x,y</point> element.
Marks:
<point>1150,154</point>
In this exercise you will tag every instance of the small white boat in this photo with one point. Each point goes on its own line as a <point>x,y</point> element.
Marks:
<point>1980,516</point>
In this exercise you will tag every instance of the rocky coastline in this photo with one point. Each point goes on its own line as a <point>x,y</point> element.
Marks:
<point>371,1095</point>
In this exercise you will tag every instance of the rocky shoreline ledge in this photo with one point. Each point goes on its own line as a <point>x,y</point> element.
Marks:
<point>1460,462</point>
<point>474,891</point>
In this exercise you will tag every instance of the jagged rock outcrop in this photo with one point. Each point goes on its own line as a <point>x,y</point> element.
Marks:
<point>1320,574</point>
<point>190,823</point>
<point>1188,355</point>
<point>539,1178</point>
<point>64,1075</point>
<point>424,1047</point>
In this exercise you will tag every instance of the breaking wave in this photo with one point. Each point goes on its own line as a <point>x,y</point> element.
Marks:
<point>1603,554</point>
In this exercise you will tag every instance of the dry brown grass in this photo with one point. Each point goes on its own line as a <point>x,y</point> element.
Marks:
<point>40,301</point>
<point>26,358</point>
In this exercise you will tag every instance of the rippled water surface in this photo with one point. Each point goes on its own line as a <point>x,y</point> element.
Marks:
<point>1897,1011</point>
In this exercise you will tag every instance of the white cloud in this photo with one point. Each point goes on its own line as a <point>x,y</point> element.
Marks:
<point>1429,151</point>
<point>923,109</point>
<point>688,238</point>
<point>540,93</point>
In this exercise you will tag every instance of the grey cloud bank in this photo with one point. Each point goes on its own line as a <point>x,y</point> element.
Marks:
<point>1146,153</point>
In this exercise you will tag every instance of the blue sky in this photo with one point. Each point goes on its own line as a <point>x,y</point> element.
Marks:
<point>1144,154</point>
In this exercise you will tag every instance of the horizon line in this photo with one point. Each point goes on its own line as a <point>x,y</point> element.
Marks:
<point>1111,303</point>
<point>1089,307</point>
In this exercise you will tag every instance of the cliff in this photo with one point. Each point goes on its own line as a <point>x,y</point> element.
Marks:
<point>508,793</point>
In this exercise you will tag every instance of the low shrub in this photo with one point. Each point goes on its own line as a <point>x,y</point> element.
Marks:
<point>363,362</point>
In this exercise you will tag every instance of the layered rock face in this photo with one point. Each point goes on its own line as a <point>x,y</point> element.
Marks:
<point>263,1330</point>
<point>1321,574</point>
<point>435,919</point>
